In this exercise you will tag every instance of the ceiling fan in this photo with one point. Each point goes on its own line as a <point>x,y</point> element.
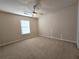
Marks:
<point>34,13</point>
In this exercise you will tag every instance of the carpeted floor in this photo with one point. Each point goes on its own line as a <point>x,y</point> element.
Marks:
<point>40,48</point>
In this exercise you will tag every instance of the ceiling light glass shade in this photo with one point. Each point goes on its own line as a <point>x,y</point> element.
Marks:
<point>34,14</point>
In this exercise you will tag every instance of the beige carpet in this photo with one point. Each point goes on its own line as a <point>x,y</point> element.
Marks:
<point>39,48</point>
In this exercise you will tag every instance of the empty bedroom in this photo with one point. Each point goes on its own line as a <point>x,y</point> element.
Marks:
<point>39,29</point>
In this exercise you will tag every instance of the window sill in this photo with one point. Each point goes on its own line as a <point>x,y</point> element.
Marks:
<point>25,34</point>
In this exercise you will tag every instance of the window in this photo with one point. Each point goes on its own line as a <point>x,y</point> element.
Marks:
<point>25,26</point>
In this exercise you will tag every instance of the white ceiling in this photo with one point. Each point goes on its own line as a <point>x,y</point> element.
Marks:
<point>54,5</point>
<point>20,6</point>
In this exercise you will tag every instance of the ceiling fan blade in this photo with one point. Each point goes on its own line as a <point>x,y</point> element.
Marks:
<point>25,12</point>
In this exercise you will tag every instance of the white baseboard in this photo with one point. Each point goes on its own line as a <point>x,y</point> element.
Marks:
<point>4,44</point>
<point>65,40</point>
<point>60,39</point>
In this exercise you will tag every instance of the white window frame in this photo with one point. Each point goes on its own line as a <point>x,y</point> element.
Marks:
<point>27,31</point>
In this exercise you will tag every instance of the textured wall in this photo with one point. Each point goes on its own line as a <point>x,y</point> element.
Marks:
<point>10,27</point>
<point>60,23</point>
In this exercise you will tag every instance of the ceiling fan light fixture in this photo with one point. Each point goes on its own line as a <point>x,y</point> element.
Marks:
<point>34,14</point>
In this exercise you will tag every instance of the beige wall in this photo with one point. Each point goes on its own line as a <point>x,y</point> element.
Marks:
<point>10,27</point>
<point>60,23</point>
